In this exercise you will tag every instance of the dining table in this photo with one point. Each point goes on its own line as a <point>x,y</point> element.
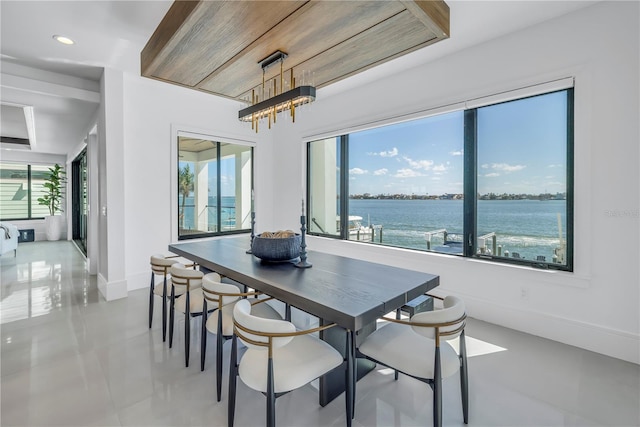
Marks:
<point>350,292</point>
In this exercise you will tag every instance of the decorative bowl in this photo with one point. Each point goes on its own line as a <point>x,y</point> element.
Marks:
<point>276,248</point>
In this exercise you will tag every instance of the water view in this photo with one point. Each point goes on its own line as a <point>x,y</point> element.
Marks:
<point>527,227</point>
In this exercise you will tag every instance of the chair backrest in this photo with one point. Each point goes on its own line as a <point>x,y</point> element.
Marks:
<point>160,264</point>
<point>451,317</point>
<point>183,276</point>
<point>255,332</point>
<point>217,292</point>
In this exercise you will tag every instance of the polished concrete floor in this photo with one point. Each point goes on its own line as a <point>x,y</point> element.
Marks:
<point>71,359</point>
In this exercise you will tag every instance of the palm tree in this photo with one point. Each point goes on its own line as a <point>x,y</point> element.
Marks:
<point>185,187</point>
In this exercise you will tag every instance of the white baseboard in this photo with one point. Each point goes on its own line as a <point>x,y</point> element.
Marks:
<point>112,290</point>
<point>616,343</point>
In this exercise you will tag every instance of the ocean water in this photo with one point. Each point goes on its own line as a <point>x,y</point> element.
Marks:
<point>528,227</point>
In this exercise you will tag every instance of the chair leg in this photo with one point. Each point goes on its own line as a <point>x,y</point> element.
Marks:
<point>233,378</point>
<point>395,371</point>
<point>219,343</point>
<point>349,393</point>
<point>437,390</point>
<point>172,315</point>
<point>271,396</point>
<point>287,312</point>
<point>464,380</point>
<point>164,309</point>
<point>203,335</point>
<point>151,299</point>
<point>187,330</point>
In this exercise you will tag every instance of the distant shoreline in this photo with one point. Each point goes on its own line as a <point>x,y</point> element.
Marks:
<point>458,196</point>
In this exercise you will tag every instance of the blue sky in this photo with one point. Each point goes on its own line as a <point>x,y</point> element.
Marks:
<point>521,149</point>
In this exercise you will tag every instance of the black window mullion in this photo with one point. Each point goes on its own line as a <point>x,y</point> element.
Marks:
<point>218,190</point>
<point>470,180</point>
<point>344,187</point>
<point>29,213</point>
<point>570,183</point>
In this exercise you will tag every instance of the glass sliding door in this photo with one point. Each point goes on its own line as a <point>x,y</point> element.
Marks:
<point>214,187</point>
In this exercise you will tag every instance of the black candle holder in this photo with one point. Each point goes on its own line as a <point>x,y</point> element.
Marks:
<point>253,227</point>
<point>303,246</point>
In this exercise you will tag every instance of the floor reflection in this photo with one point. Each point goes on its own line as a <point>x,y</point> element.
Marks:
<point>34,282</point>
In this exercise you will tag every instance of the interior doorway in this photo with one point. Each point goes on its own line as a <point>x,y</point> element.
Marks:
<point>79,187</point>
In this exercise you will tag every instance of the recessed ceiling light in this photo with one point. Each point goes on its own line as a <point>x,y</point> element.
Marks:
<point>63,39</point>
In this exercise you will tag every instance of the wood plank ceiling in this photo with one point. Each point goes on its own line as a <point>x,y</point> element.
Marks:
<point>217,46</point>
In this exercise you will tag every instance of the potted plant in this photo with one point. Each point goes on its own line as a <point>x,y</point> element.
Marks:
<point>52,199</point>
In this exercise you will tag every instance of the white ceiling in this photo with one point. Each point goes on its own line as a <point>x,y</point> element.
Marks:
<point>113,33</point>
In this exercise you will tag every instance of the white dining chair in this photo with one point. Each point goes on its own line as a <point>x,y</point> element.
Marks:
<point>188,282</point>
<point>160,266</point>
<point>419,348</point>
<point>278,358</point>
<point>222,297</point>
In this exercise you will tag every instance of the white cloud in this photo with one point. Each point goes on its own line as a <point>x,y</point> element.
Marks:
<point>440,168</point>
<point>419,164</point>
<point>503,167</point>
<point>382,171</point>
<point>457,153</point>
<point>407,173</point>
<point>358,171</point>
<point>391,153</point>
<point>491,175</point>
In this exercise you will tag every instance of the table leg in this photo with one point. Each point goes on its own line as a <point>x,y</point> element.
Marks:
<point>333,383</point>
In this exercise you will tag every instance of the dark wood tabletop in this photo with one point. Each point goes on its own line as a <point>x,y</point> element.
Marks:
<point>347,291</point>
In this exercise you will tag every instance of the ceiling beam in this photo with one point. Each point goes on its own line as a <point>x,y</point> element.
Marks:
<point>45,88</point>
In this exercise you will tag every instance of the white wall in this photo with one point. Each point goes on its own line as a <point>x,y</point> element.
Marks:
<point>595,307</point>
<point>111,216</point>
<point>151,110</point>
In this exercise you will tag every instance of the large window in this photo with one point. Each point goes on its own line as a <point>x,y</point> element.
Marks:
<point>491,182</point>
<point>214,187</point>
<point>20,187</point>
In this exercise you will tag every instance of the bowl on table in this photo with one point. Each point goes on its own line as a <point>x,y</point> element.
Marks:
<point>277,247</point>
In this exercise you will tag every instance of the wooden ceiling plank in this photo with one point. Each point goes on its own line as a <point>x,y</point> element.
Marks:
<point>215,32</point>
<point>216,46</point>
<point>389,39</point>
<point>434,14</point>
<point>308,32</point>
<point>175,17</point>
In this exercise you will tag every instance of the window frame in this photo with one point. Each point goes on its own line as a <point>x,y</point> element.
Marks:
<point>181,131</point>
<point>470,174</point>
<point>30,202</point>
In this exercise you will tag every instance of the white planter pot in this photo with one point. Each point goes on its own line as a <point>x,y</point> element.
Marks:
<point>54,227</point>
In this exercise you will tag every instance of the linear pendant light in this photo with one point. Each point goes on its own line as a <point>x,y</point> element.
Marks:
<point>278,101</point>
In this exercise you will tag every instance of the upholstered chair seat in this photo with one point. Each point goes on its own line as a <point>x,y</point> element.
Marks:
<point>386,347</point>
<point>291,364</point>
<point>278,359</point>
<point>222,298</point>
<point>161,268</point>
<point>191,302</point>
<point>419,348</point>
